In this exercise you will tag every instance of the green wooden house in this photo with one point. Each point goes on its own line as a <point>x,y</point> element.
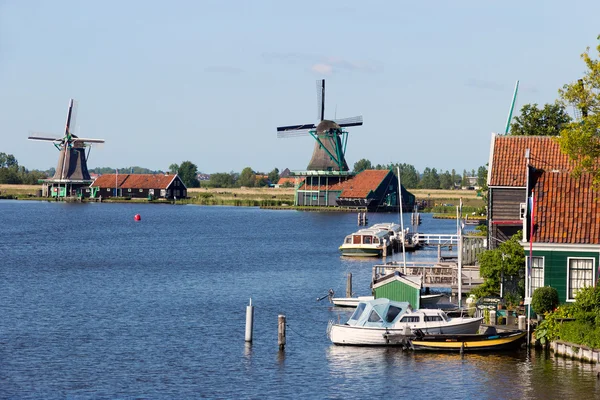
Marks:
<point>399,287</point>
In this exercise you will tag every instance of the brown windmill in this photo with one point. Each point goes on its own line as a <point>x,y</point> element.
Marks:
<point>330,135</point>
<point>71,170</point>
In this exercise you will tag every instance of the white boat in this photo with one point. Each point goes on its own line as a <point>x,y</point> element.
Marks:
<point>366,243</point>
<point>427,300</point>
<point>373,319</point>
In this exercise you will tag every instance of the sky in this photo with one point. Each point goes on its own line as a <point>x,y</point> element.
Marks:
<point>209,81</point>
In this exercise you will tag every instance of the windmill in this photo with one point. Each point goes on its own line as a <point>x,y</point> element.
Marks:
<point>330,135</point>
<point>71,169</point>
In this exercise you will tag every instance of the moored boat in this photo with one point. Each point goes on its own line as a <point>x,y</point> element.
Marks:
<point>374,319</point>
<point>366,243</point>
<point>484,342</point>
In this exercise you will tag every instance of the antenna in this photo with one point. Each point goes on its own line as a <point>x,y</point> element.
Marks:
<point>512,106</point>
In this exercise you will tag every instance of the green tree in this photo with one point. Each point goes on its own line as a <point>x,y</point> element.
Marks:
<point>580,140</point>
<point>455,178</point>
<point>247,177</point>
<point>430,179</point>
<point>188,172</point>
<point>446,180</point>
<point>482,176</point>
<point>274,176</point>
<point>540,122</point>
<point>408,174</point>
<point>361,165</point>
<point>173,168</point>
<point>507,258</point>
<point>221,180</point>
<point>465,179</point>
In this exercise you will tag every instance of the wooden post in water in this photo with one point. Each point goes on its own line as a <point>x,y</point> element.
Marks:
<point>281,332</point>
<point>249,321</point>
<point>349,285</point>
<point>439,252</point>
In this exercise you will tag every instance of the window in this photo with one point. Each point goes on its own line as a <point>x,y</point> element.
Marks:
<point>141,190</point>
<point>366,239</point>
<point>580,274</point>
<point>348,240</point>
<point>392,313</point>
<point>537,273</point>
<point>433,318</point>
<point>358,312</point>
<point>411,318</point>
<point>150,191</point>
<point>108,189</point>
<point>374,317</point>
<point>129,190</point>
<point>314,197</point>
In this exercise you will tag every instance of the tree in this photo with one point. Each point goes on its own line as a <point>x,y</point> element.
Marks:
<point>580,140</point>
<point>173,168</point>
<point>409,176</point>
<point>274,176</point>
<point>361,165</point>
<point>540,122</point>
<point>465,179</point>
<point>446,180</point>
<point>507,259</point>
<point>221,180</point>
<point>247,177</point>
<point>430,179</point>
<point>188,172</point>
<point>8,161</point>
<point>482,176</point>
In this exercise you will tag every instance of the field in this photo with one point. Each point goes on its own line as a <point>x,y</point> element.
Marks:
<point>274,196</point>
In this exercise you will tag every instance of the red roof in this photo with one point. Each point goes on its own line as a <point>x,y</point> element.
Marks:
<point>292,180</point>
<point>509,166</point>
<point>362,184</point>
<point>134,181</point>
<point>567,209</point>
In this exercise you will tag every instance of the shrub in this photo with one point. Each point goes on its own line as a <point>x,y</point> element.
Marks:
<point>544,299</point>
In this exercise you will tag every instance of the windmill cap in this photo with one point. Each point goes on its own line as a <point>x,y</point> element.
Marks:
<point>326,125</point>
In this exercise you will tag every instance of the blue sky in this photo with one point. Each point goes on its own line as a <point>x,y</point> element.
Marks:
<point>209,81</point>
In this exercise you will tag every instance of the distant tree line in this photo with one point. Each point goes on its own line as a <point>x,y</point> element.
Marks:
<point>12,173</point>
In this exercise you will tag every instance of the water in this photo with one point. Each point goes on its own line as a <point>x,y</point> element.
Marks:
<point>96,305</point>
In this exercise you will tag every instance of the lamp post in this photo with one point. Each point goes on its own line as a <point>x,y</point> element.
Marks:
<point>502,276</point>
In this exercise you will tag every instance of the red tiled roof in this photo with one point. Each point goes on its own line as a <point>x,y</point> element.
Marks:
<point>135,181</point>
<point>362,184</point>
<point>509,166</point>
<point>567,209</point>
<point>292,180</point>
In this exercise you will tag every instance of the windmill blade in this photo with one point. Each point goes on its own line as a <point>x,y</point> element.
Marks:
<point>352,121</point>
<point>295,127</point>
<point>295,133</point>
<point>87,140</point>
<point>73,129</point>
<point>45,139</point>
<point>69,114</point>
<point>321,99</point>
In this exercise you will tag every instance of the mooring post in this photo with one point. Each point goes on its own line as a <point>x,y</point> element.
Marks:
<point>281,332</point>
<point>249,321</point>
<point>439,252</point>
<point>349,285</point>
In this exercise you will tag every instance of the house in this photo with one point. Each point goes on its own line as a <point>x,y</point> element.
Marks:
<point>148,186</point>
<point>374,190</point>
<point>529,181</point>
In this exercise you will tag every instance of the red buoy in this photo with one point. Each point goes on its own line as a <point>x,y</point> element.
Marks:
<point>137,217</point>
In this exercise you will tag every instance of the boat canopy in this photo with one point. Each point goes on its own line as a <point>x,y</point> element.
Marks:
<point>378,313</point>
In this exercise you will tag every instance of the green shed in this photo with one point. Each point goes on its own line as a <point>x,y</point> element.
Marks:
<point>399,287</point>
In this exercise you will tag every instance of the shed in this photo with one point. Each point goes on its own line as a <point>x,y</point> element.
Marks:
<point>399,287</point>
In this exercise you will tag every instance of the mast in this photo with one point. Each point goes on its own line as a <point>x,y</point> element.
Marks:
<point>512,106</point>
<point>401,220</point>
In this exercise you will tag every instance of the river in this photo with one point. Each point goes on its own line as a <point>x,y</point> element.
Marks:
<point>96,305</point>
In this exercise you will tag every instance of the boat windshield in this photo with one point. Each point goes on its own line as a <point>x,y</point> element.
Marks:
<point>357,313</point>
<point>392,313</point>
<point>348,239</point>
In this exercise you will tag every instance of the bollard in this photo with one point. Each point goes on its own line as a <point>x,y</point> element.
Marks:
<point>249,321</point>
<point>492,317</point>
<point>281,332</point>
<point>349,285</point>
<point>522,324</point>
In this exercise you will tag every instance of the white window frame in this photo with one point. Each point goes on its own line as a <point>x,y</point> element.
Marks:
<point>569,273</point>
<point>543,269</point>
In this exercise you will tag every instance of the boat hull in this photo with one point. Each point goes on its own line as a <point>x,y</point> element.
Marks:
<point>361,252</point>
<point>501,341</point>
<point>376,336</point>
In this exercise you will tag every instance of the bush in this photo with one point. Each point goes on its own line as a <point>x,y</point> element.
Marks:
<point>544,299</point>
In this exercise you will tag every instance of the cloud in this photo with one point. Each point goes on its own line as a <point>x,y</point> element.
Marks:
<point>483,84</point>
<point>324,65</point>
<point>322,69</point>
<point>223,69</point>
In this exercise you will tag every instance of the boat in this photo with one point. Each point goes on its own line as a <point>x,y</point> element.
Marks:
<point>427,300</point>
<point>476,342</point>
<point>374,319</point>
<point>367,242</point>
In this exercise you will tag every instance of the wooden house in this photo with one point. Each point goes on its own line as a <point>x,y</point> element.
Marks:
<point>147,186</point>
<point>373,190</point>
<point>399,287</point>
<point>529,181</point>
